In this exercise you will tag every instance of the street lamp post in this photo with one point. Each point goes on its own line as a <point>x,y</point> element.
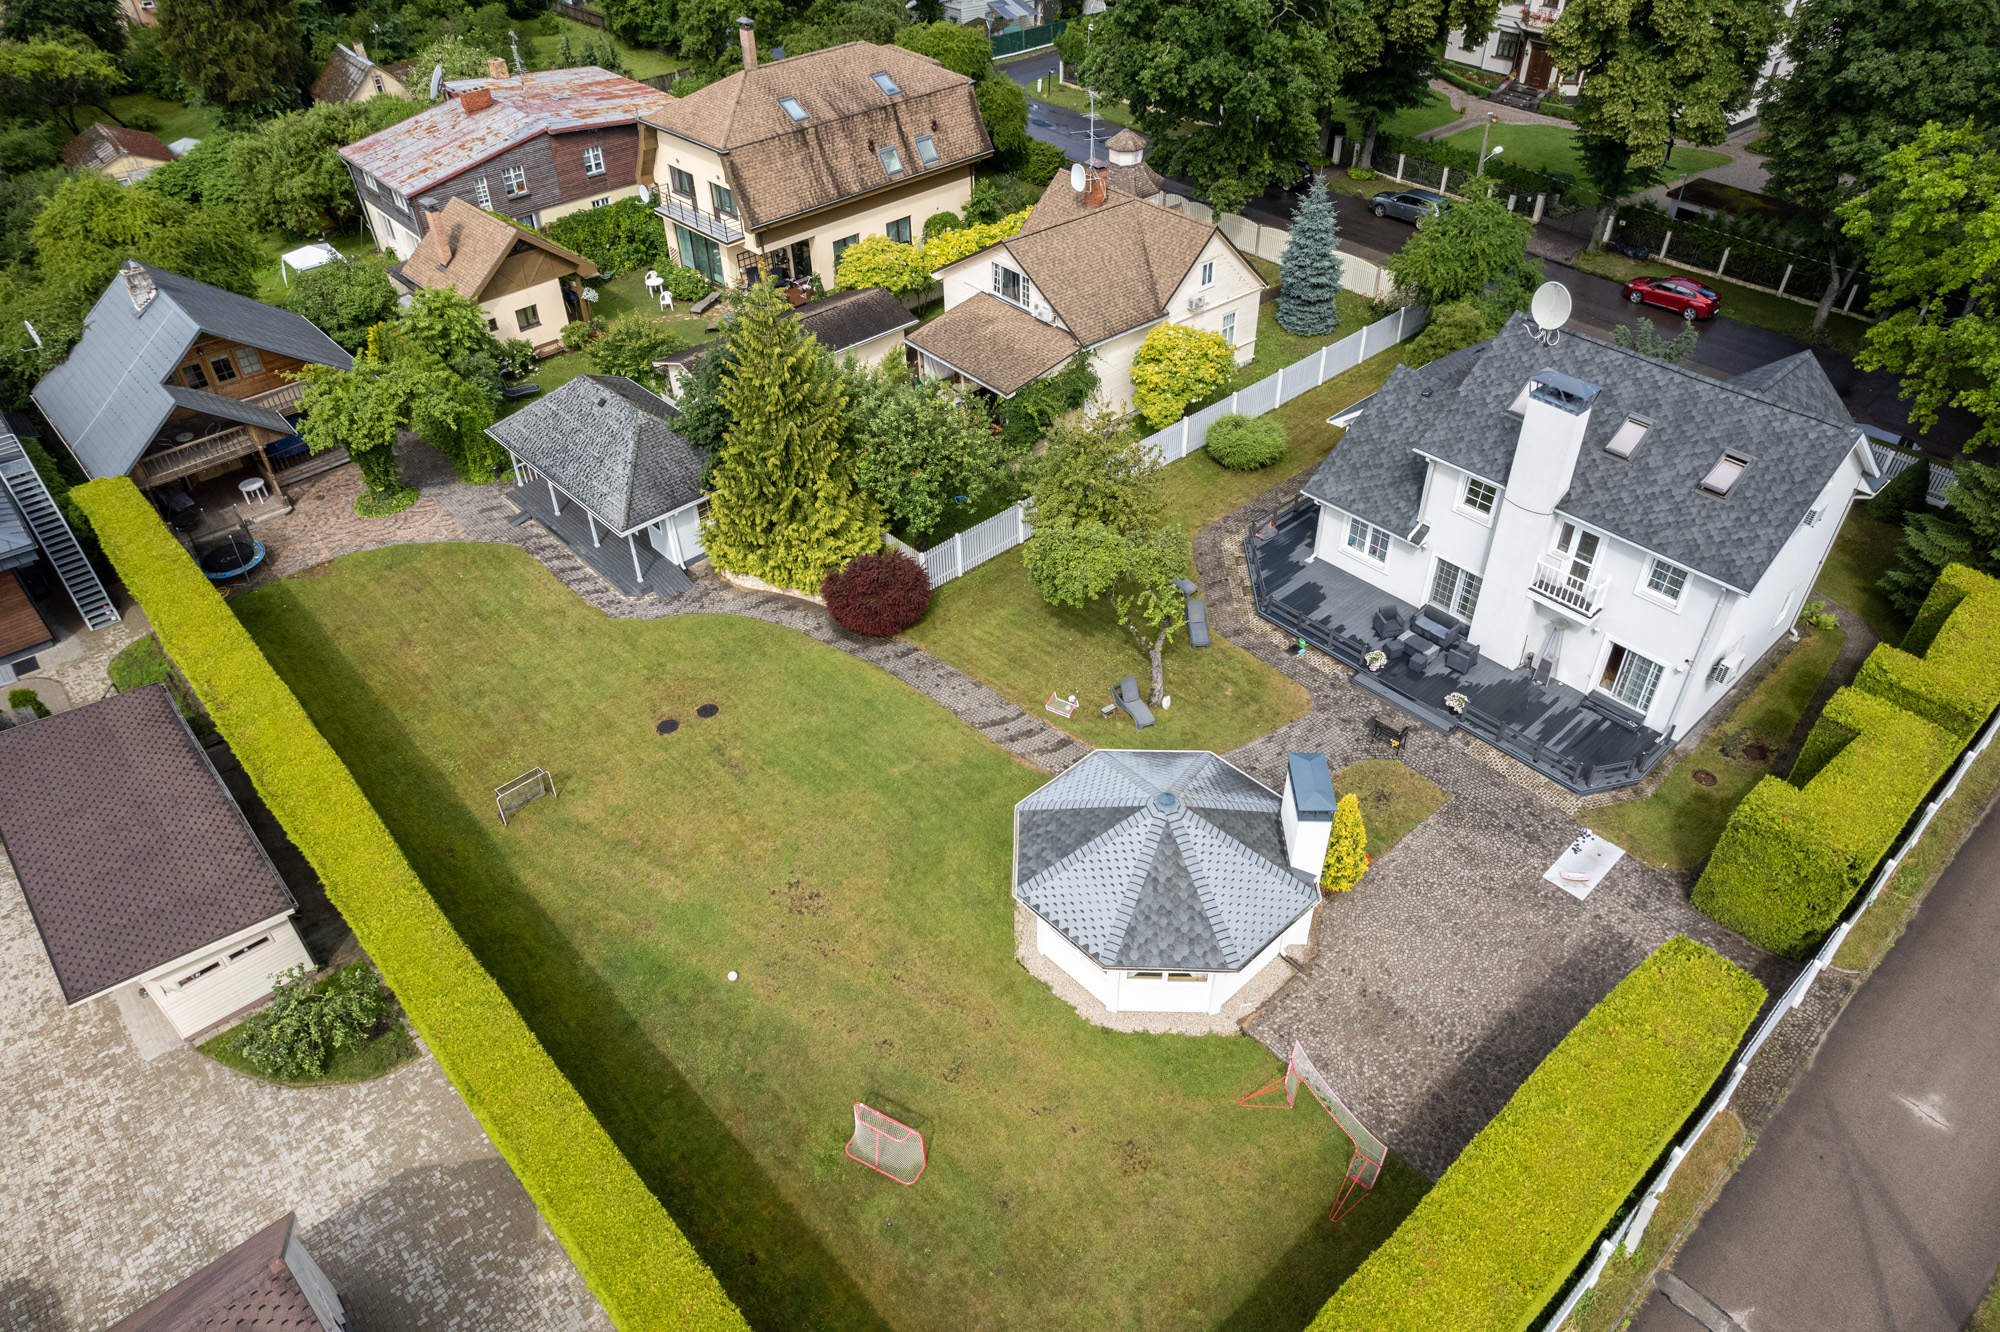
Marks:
<point>1485,137</point>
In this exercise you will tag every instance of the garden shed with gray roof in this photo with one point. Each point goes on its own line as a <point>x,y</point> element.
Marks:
<point>1160,878</point>
<point>599,464</point>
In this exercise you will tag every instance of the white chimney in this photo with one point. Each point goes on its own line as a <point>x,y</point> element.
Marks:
<point>1555,412</point>
<point>1308,812</point>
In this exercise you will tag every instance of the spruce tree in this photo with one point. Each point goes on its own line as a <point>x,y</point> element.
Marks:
<point>1346,853</point>
<point>785,504</point>
<point>1967,532</point>
<point>1310,269</point>
<point>565,53</point>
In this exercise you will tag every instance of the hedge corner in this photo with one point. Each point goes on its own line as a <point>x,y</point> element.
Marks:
<point>1948,669</point>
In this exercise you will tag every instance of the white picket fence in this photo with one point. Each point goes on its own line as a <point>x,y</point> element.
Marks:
<point>1893,464</point>
<point>1633,1229</point>
<point>1009,528</point>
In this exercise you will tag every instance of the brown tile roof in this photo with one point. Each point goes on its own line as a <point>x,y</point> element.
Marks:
<point>130,851</point>
<point>21,625</point>
<point>342,76</point>
<point>439,143</point>
<point>250,1287</point>
<point>779,168</point>
<point>1140,181</point>
<point>1127,141</point>
<point>464,244</point>
<point>98,146</point>
<point>844,319</point>
<point>998,344</point>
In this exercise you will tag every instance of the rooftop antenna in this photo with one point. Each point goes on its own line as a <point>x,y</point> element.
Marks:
<point>31,332</point>
<point>1550,311</point>
<point>1093,123</point>
<point>437,82</point>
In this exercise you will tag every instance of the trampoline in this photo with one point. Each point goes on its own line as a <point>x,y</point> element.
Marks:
<point>232,556</point>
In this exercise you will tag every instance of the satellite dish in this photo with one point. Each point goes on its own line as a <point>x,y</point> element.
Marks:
<point>1076,176</point>
<point>437,82</point>
<point>645,195</point>
<point>1550,309</point>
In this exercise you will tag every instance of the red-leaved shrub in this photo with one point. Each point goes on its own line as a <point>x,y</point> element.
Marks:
<point>880,594</point>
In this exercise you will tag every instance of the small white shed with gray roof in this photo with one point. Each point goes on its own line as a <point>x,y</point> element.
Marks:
<point>1164,880</point>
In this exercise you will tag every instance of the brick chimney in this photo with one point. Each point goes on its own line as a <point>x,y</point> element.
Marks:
<point>1093,184</point>
<point>746,32</point>
<point>496,67</point>
<point>475,100</point>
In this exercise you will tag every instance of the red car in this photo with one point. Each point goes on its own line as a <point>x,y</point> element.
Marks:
<point>1683,295</point>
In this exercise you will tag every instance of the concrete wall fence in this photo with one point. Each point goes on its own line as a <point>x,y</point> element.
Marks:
<point>1009,528</point>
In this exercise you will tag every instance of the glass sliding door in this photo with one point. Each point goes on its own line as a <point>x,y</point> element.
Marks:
<point>701,254</point>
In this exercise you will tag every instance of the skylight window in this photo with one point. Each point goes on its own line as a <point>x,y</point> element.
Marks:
<point>886,84</point>
<point>892,161</point>
<point>1628,437</point>
<point>1723,475</point>
<point>927,152</point>
<point>793,109</point>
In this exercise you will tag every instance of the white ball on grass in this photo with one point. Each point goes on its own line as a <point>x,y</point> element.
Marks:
<point>732,975</point>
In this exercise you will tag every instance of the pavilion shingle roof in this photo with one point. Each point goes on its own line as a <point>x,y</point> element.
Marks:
<point>779,168</point>
<point>130,851</point>
<point>611,445</point>
<point>249,1289</point>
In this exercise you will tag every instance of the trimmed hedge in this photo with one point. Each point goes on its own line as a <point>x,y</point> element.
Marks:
<point>1794,855</point>
<point>630,1252</point>
<point>1948,670</point>
<point>1492,1243</point>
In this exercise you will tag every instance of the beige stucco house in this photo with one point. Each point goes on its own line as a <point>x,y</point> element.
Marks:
<point>776,169</point>
<point>350,76</point>
<point>527,284</point>
<point>123,154</point>
<point>1091,270</point>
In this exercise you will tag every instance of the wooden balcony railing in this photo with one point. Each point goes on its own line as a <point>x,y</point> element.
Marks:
<point>283,399</point>
<point>187,459</point>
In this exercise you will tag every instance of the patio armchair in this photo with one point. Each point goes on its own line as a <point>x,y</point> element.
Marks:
<point>1388,622</point>
<point>1127,696</point>
<point>1461,657</point>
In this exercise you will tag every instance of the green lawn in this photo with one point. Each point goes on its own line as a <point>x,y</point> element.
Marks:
<point>1553,148</point>
<point>1070,98</point>
<point>1275,348</point>
<point>371,1059</point>
<point>1765,309</point>
<point>273,284</point>
<point>621,295</point>
<point>641,62</point>
<point>844,844</point>
<point>169,120</point>
<point>1676,827</point>
<point>1393,798</point>
<point>1435,112</point>
<point>1862,553</point>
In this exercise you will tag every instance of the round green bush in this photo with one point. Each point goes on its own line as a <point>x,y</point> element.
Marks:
<point>938,223</point>
<point>382,503</point>
<point>1245,443</point>
<point>1360,173</point>
<point>687,284</point>
<point>575,333</point>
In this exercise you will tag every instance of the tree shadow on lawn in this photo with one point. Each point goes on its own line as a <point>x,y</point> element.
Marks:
<point>767,1258</point>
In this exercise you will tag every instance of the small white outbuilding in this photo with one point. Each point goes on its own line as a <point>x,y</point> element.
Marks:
<point>1164,881</point>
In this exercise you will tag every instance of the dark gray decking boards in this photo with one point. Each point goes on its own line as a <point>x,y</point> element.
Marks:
<point>610,555</point>
<point>1568,736</point>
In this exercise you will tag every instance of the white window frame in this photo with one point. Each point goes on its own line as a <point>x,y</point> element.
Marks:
<point>513,181</point>
<point>601,203</point>
<point>1208,273</point>
<point>593,161</point>
<point>1657,571</point>
<point>1465,588</point>
<point>1229,328</point>
<point>1468,501</point>
<point>1365,540</point>
<point>481,193</point>
<point>1020,284</point>
<point>1620,683</point>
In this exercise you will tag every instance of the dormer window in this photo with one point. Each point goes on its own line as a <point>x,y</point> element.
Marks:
<point>886,84</point>
<point>892,161</point>
<point>927,152</point>
<point>1723,475</point>
<point>1009,285</point>
<point>793,109</point>
<point>1628,437</point>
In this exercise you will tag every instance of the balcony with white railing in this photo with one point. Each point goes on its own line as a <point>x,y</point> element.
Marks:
<point>1555,582</point>
<point>715,226</point>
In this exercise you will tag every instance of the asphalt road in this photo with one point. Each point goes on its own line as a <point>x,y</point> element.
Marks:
<point>1870,1201</point>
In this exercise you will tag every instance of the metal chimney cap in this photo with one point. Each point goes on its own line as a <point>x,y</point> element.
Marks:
<point>1567,392</point>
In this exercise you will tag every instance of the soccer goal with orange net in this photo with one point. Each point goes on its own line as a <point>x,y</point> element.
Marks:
<point>1369,1152</point>
<point>884,1144</point>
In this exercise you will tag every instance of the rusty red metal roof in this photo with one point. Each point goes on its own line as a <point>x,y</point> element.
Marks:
<point>439,143</point>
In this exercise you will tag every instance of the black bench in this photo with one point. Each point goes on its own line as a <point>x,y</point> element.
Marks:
<point>1394,736</point>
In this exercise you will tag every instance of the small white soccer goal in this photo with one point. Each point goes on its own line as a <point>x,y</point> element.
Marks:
<point>508,797</point>
<point>883,1144</point>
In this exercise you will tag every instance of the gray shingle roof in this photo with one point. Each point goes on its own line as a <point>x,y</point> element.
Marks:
<point>108,399</point>
<point>1158,859</point>
<point>1456,410</point>
<point>844,319</point>
<point>610,445</point>
<point>228,409</point>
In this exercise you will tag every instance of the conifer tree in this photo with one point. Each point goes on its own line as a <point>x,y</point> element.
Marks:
<point>785,505</point>
<point>1967,532</point>
<point>1310,268</point>
<point>565,53</point>
<point>1346,853</point>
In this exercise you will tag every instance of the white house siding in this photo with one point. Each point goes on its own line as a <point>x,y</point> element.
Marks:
<point>877,350</point>
<point>1120,992</point>
<point>678,535</point>
<point>389,233</point>
<point>1226,983</point>
<point>236,984</point>
<point>1101,984</point>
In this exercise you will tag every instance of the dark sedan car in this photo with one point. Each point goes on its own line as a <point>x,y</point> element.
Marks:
<point>1683,295</point>
<point>1409,205</point>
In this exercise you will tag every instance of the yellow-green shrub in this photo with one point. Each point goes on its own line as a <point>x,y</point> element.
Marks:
<point>1948,669</point>
<point>629,1251</point>
<point>1496,1238</point>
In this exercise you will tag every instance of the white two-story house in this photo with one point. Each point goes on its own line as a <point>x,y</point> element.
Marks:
<point>1570,549</point>
<point>1092,270</point>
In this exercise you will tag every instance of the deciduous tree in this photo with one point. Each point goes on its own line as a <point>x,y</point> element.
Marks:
<point>396,385</point>
<point>631,343</point>
<point>92,224</point>
<point>60,71</point>
<point>100,21</point>
<point>1643,337</point>
<point>1095,471</point>
<point>344,300</point>
<point>786,504</point>
<point>921,446</point>
<point>1391,50</point>
<point>242,55</point>
<point>1458,255</point>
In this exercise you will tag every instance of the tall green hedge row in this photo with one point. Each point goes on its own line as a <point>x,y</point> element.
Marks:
<point>1792,857</point>
<point>1492,1243</point>
<point>1948,669</point>
<point>1796,852</point>
<point>630,1252</point>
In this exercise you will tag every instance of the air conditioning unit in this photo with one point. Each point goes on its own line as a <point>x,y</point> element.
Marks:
<point>1197,303</point>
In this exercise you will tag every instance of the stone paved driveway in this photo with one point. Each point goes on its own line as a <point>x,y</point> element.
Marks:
<point>128,1161</point>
